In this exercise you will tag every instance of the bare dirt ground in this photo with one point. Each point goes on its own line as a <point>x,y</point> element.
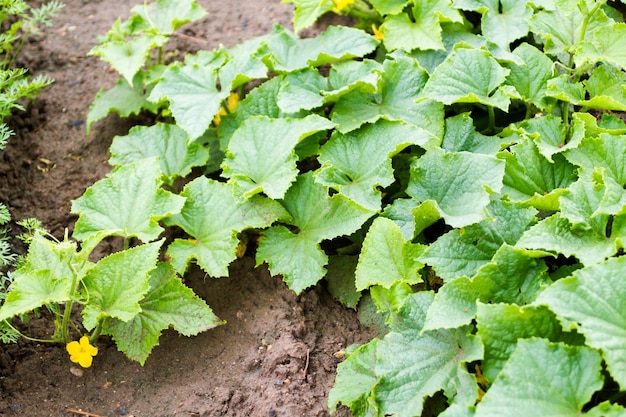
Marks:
<point>278,353</point>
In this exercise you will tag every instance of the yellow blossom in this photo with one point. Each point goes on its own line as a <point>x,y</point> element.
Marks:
<point>340,5</point>
<point>377,33</point>
<point>82,352</point>
<point>231,104</point>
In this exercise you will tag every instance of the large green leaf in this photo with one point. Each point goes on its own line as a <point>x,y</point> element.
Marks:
<point>46,277</point>
<point>165,16</point>
<point>606,89</point>
<point>530,78</point>
<point>359,162</point>
<point>128,56</point>
<point>607,45</point>
<point>550,136</point>
<point>166,141</point>
<point>386,258</point>
<point>605,152</point>
<point>296,255</point>
<point>192,93</point>
<point>413,364</point>
<point>168,303</point>
<point>458,182</point>
<point>422,30</point>
<point>468,76</point>
<point>558,235</point>
<point>128,202</point>
<point>123,98</point>
<point>402,81</point>
<point>261,156</point>
<point>513,276</point>
<point>355,382</point>
<point>592,302</point>
<point>261,101</point>
<point>503,21</point>
<point>561,28</point>
<point>502,326</point>
<point>117,283</point>
<point>461,135</point>
<point>543,379</point>
<point>213,216</point>
<point>461,252</point>
<point>385,7</point>
<point>531,178</point>
<point>244,64</point>
<point>306,12</point>
<point>288,53</point>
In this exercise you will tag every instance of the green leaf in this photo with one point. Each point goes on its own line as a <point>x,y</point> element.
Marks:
<point>247,165</point>
<point>386,258</point>
<point>128,202</point>
<point>306,12</point>
<point>385,7</point>
<point>422,30</point>
<point>512,276</point>
<point>128,56</point>
<point>213,217</point>
<point>461,252</point>
<point>355,382</point>
<point>557,234</point>
<point>561,28</point>
<point>402,81</point>
<point>502,326</point>
<point>502,21</point>
<point>567,376</point>
<point>592,302</point>
<point>45,278</point>
<point>359,162</point>
<point>165,16</point>
<point>461,135</point>
<point>289,53</point>
<point>123,99</point>
<point>561,88</point>
<point>169,303</point>
<point>549,134</point>
<point>607,45</point>
<point>261,101</point>
<point>531,178</point>
<point>459,182</point>
<point>117,283</point>
<point>605,152</point>
<point>413,364</point>
<point>166,141</point>
<point>297,255</point>
<point>347,76</point>
<point>468,76</point>
<point>193,96</point>
<point>301,90</point>
<point>531,76</point>
<point>244,64</point>
<point>606,87</point>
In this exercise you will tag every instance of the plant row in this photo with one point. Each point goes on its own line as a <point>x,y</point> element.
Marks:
<point>459,164</point>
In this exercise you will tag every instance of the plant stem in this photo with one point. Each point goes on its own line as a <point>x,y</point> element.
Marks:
<point>492,120</point>
<point>32,339</point>
<point>96,332</point>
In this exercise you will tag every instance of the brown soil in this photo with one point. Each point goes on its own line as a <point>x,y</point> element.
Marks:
<point>278,353</point>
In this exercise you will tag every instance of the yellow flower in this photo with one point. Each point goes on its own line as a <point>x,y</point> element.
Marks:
<point>377,33</point>
<point>82,352</point>
<point>340,5</point>
<point>231,104</point>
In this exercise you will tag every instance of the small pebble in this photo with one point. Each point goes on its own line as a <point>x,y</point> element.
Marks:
<point>78,372</point>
